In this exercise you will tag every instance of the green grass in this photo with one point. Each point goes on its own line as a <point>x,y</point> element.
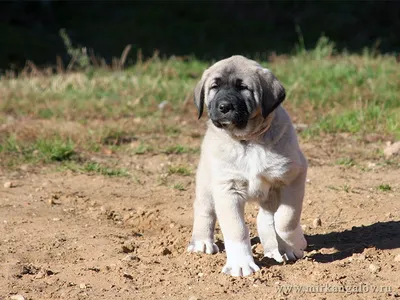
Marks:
<point>55,150</point>
<point>179,187</point>
<point>142,149</point>
<point>179,149</point>
<point>331,187</point>
<point>345,161</point>
<point>330,92</point>
<point>180,170</point>
<point>40,150</point>
<point>95,168</point>
<point>343,93</point>
<point>384,187</point>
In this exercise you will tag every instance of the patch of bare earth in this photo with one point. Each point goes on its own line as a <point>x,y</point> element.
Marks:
<point>65,235</point>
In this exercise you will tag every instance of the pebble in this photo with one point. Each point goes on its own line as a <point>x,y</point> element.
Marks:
<point>130,257</point>
<point>8,185</point>
<point>374,268</point>
<point>17,297</point>
<point>128,246</point>
<point>165,251</point>
<point>360,257</point>
<point>391,150</point>
<point>397,258</point>
<point>317,222</point>
<point>40,275</point>
<point>82,286</point>
<point>127,275</point>
<point>356,256</point>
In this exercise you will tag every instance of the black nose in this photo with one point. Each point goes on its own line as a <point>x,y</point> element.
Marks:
<point>225,107</point>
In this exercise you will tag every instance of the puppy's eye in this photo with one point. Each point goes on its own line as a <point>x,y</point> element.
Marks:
<point>214,86</point>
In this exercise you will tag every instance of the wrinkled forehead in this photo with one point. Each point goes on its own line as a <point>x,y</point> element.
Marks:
<point>230,72</point>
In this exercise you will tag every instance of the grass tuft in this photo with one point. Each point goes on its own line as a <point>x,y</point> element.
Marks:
<point>384,187</point>
<point>142,149</point>
<point>55,150</point>
<point>179,149</point>
<point>97,168</point>
<point>180,170</point>
<point>179,187</point>
<point>345,161</point>
<point>93,167</point>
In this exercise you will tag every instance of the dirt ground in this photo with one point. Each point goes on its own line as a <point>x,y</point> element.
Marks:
<point>65,235</point>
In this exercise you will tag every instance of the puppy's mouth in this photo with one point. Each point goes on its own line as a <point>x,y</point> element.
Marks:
<point>221,124</point>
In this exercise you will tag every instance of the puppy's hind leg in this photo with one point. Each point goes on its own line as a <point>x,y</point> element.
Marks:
<point>204,220</point>
<point>287,219</point>
<point>266,226</point>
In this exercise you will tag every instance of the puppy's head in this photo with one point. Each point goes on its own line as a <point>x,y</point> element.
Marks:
<point>238,93</point>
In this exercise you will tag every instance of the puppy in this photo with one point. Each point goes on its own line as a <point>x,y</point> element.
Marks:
<point>250,152</point>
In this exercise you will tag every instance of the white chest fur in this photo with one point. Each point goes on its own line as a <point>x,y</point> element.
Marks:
<point>252,165</point>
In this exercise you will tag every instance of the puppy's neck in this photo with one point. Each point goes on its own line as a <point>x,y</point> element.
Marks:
<point>256,136</point>
<point>254,131</point>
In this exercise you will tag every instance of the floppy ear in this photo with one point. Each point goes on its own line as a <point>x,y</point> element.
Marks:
<point>272,92</point>
<point>199,94</point>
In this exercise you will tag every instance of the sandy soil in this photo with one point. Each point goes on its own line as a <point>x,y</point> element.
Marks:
<point>65,235</point>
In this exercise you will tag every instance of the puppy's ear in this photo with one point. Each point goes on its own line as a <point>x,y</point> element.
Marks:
<point>199,94</point>
<point>272,92</point>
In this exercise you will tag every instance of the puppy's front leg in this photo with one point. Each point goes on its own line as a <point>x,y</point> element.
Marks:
<point>229,205</point>
<point>204,218</point>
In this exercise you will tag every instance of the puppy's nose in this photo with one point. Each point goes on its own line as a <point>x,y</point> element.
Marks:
<point>225,107</point>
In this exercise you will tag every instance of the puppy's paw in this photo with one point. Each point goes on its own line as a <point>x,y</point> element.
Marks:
<point>286,254</point>
<point>275,254</point>
<point>244,268</point>
<point>291,246</point>
<point>240,260</point>
<point>203,246</point>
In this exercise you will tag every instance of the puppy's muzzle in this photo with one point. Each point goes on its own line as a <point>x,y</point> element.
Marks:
<point>227,108</point>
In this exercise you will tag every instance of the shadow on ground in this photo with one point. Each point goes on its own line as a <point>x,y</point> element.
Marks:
<point>381,235</point>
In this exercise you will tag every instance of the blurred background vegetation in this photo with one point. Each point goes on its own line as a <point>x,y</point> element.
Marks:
<point>119,68</point>
<point>30,30</point>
